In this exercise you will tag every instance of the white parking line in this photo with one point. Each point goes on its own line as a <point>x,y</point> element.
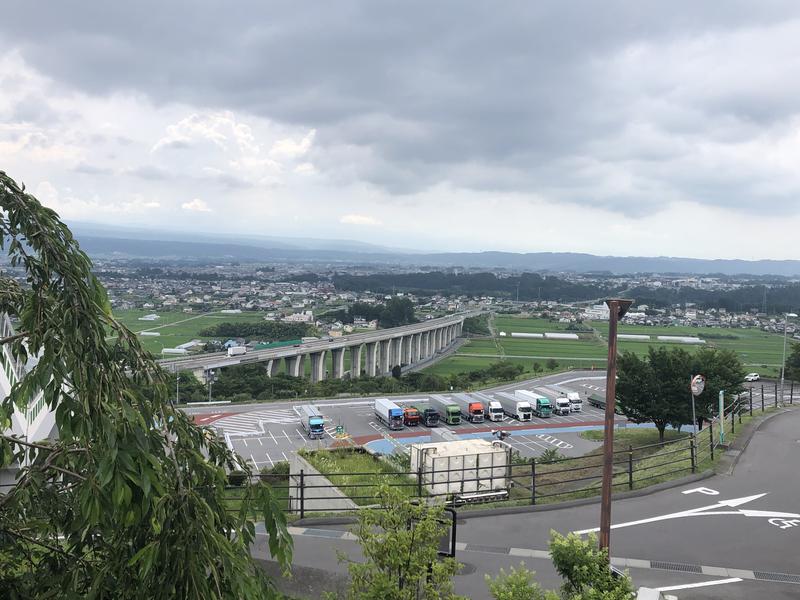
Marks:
<point>272,464</point>
<point>245,443</point>
<point>273,438</point>
<point>260,442</point>
<point>286,458</point>
<point>287,436</point>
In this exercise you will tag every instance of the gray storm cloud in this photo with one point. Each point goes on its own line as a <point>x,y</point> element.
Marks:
<point>625,105</point>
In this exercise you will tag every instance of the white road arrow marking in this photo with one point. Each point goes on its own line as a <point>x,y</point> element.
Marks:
<point>702,511</point>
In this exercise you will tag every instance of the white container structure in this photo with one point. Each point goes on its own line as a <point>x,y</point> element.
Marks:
<point>561,336</point>
<point>516,334</point>
<point>471,470</point>
<point>680,339</point>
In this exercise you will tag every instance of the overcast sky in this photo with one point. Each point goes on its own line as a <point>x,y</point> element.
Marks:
<point>622,128</point>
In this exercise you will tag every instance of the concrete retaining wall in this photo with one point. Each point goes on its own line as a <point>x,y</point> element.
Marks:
<point>328,498</point>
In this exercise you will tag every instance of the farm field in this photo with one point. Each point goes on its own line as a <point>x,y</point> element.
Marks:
<point>177,327</point>
<point>758,350</point>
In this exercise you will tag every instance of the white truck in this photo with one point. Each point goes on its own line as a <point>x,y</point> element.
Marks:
<point>515,406</point>
<point>575,402</point>
<point>389,413</point>
<point>237,350</point>
<point>562,406</point>
<point>492,409</point>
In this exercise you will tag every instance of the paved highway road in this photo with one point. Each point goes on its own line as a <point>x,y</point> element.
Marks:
<point>731,536</point>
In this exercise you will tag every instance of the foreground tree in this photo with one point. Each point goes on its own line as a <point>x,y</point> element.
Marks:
<point>400,540</point>
<point>723,371</point>
<point>793,363</point>
<point>655,389</point>
<point>129,501</point>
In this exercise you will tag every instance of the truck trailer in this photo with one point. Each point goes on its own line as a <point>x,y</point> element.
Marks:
<point>311,420</point>
<point>237,350</point>
<point>449,411</point>
<point>389,413</point>
<point>515,407</point>
<point>471,408</point>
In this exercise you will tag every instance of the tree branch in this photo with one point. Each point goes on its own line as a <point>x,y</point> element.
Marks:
<point>11,338</point>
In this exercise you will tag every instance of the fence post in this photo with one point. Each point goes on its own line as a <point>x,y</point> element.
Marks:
<point>739,410</point>
<point>751,402</point>
<point>691,453</point>
<point>776,395</point>
<point>419,481</point>
<point>630,467</point>
<point>302,494</point>
<point>533,481</point>
<point>791,392</point>
<point>711,438</point>
<point>762,398</point>
<point>733,422</point>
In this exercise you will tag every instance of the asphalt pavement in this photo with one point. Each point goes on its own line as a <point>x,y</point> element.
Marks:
<point>732,536</point>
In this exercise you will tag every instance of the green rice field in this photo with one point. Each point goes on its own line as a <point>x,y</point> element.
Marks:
<point>758,350</point>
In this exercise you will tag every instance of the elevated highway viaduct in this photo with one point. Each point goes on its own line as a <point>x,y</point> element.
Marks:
<point>379,350</point>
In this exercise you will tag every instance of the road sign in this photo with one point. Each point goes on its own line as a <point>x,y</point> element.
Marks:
<point>339,429</point>
<point>698,385</point>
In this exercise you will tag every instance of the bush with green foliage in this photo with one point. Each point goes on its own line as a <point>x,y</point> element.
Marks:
<point>583,567</point>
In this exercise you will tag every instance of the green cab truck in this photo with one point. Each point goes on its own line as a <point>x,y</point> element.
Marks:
<point>449,412</point>
<point>542,409</point>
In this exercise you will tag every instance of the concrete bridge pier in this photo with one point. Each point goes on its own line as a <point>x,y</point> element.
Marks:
<point>397,352</point>
<point>355,361</point>
<point>416,347</point>
<point>200,375</point>
<point>273,367</point>
<point>407,350</point>
<point>295,365</point>
<point>337,363</point>
<point>371,360</point>
<point>384,356</point>
<point>318,366</point>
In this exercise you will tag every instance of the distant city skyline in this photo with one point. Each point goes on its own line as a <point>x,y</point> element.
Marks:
<point>622,129</point>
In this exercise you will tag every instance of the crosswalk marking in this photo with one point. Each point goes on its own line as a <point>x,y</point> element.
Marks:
<point>250,421</point>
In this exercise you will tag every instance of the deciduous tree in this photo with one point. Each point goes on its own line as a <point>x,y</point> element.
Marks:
<point>129,501</point>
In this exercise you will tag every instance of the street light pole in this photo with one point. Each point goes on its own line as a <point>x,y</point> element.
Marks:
<point>617,309</point>
<point>783,361</point>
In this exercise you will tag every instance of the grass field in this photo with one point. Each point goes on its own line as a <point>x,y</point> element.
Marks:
<point>758,351</point>
<point>177,327</point>
<point>357,474</point>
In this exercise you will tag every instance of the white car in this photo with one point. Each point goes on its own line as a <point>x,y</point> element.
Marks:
<point>752,377</point>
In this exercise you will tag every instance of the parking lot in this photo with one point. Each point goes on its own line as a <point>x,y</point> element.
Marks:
<point>269,435</point>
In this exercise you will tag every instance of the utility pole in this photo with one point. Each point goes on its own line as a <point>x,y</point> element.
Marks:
<point>783,361</point>
<point>617,309</point>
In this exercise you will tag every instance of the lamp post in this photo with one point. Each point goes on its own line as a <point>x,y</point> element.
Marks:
<point>616,310</point>
<point>783,361</point>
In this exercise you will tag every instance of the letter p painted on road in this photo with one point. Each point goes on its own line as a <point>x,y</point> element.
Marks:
<point>702,490</point>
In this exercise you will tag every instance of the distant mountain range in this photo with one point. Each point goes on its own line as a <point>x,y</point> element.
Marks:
<point>105,241</point>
